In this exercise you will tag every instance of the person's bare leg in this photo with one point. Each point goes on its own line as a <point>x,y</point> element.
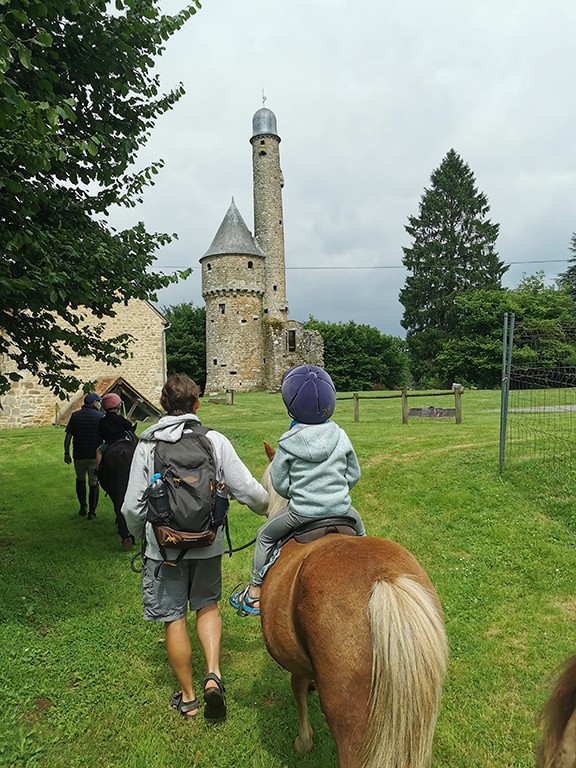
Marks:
<point>209,630</point>
<point>180,657</point>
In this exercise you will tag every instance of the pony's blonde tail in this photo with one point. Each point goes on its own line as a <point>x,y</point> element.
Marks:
<point>408,668</point>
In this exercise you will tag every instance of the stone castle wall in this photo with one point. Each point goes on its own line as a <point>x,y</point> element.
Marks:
<point>232,272</point>
<point>233,286</point>
<point>288,344</point>
<point>234,341</point>
<point>29,404</point>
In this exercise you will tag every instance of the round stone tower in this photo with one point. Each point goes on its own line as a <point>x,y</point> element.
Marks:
<point>268,215</point>
<point>233,289</point>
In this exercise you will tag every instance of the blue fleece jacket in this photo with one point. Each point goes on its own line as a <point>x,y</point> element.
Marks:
<point>315,467</point>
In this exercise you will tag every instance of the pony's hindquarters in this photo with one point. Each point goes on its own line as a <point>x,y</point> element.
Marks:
<point>558,747</point>
<point>408,667</point>
<point>360,616</point>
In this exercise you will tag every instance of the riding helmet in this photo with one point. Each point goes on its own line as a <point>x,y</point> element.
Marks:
<point>309,394</point>
<point>111,401</point>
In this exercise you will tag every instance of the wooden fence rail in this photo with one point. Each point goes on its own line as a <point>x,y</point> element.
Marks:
<point>456,392</point>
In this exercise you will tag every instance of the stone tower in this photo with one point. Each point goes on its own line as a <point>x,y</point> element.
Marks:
<point>268,215</point>
<point>249,340</point>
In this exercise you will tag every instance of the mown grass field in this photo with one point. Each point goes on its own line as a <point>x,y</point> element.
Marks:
<point>85,681</point>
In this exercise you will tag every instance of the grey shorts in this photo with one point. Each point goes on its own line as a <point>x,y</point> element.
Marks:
<point>193,583</point>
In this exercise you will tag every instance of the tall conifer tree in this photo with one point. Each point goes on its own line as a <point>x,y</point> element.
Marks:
<point>453,250</point>
<point>568,279</point>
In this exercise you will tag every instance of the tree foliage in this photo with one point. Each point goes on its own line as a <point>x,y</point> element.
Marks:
<point>452,251</point>
<point>77,101</point>
<point>360,357</point>
<point>545,319</point>
<point>473,355</point>
<point>568,279</point>
<point>186,341</point>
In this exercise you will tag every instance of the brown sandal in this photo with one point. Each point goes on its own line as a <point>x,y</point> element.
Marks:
<point>215,699</point>
<point>184,707</point>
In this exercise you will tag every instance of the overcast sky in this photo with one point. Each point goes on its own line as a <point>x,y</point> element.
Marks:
<point>369,96</point>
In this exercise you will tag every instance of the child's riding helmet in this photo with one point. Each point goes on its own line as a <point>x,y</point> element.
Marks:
<point>309,394</point>
<point>111,401</point>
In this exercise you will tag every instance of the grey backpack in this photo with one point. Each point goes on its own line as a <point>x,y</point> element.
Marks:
<point>195,510</point>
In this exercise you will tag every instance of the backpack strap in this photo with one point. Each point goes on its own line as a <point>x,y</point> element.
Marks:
<point>228,539</point>
<point>165,560</point>
<point>196,426</point>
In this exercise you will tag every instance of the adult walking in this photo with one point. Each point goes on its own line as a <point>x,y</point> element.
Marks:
<point>194,582</point>
<point>82,433</point>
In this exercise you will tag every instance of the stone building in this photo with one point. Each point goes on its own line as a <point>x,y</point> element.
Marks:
<point>249,340</point>
<point>139,380</point>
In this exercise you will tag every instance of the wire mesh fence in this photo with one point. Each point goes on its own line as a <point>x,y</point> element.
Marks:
<point>539,394</point>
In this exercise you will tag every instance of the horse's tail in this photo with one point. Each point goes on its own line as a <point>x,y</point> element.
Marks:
<point>556,714</point>
<point>408,668</point>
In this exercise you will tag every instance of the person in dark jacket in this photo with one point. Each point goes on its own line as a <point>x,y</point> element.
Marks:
<point>82,433</point>
<point>113,426</point>
<point>114,457</point>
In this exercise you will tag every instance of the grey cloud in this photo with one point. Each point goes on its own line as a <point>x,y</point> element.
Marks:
<point>369,97</point>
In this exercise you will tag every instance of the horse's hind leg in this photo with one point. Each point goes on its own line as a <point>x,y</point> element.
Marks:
<point>303,742</point>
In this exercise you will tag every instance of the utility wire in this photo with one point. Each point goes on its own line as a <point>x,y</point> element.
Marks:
<point>394,266</point>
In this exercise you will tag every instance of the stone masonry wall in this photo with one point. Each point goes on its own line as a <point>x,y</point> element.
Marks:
<point>29,404</point>
<point>268,221</point>
<point>232,287</point>
<point>234,348</point>
<point>287,345</point>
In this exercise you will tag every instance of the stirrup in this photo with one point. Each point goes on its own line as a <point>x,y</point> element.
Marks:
<point>242,603</point>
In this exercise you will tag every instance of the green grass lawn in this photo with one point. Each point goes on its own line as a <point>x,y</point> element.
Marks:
<point>85,681</point>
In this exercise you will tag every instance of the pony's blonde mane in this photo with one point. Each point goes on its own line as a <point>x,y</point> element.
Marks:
<point>276,502</point>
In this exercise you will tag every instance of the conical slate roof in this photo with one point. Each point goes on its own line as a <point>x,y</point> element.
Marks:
<point>233,236</point>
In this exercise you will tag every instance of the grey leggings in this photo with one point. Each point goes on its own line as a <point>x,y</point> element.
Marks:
<point>279,526</point>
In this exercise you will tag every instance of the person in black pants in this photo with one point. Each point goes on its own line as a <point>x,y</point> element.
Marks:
<point>114,457</point>
<point>82,433</point>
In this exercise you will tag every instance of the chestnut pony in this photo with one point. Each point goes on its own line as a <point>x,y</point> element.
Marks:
<point>558,747</point>
<point>360,617</point>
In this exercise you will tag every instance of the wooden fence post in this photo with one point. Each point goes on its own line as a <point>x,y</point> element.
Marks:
<point>356,407</point>
<point>229,397</point>
<point>404,407</point>
<point>458,403</point>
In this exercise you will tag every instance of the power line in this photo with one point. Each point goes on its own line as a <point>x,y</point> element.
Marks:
<point>392,266</point>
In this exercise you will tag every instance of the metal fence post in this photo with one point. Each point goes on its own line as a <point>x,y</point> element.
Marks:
<point>507,344</point>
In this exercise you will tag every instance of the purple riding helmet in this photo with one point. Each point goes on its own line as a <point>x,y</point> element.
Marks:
<point>309,394</point>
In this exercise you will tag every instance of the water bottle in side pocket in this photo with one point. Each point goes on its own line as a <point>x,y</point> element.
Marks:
<point>159,497</point>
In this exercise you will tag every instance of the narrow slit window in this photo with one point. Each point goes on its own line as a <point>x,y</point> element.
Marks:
<point>222,308</point>
<point>291,341</point>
